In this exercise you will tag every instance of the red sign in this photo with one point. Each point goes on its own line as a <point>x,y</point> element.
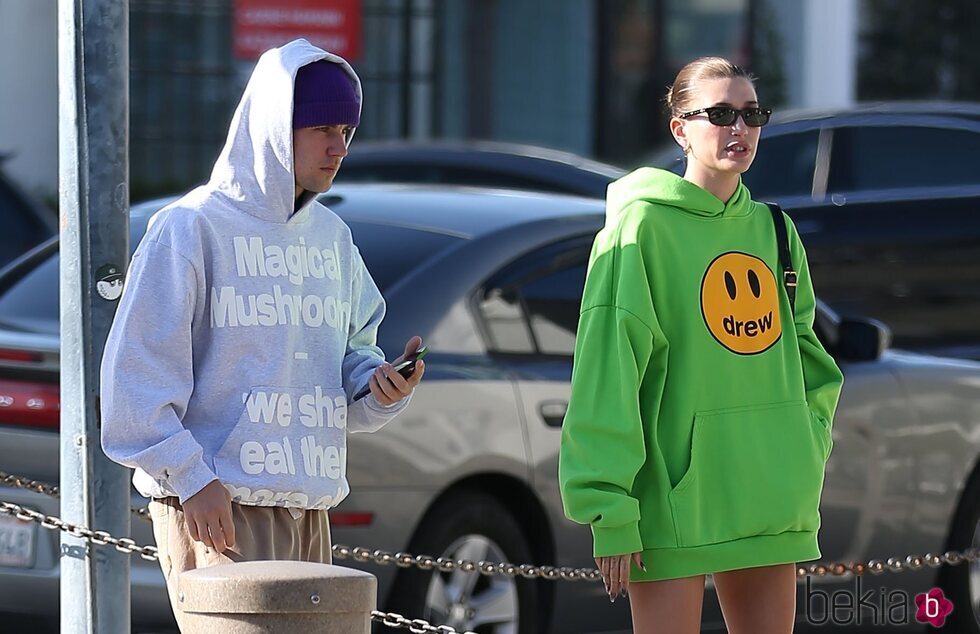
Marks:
<point>333,25</point>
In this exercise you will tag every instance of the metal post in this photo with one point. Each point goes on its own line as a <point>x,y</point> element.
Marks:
<point>93,80</point>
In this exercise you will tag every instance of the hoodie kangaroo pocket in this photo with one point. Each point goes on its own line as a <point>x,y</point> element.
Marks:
<point>753,471</point>
<point>289,448</point>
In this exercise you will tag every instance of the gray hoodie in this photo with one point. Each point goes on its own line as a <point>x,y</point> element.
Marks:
<point>245,327</point>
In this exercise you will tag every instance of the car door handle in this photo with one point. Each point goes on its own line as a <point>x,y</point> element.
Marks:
<point>553,412</point>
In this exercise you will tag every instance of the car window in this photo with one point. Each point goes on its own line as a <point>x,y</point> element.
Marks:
<point>899,157</point>
<point>32,303</point>
<point>532,306</point>
<point>784,165</point>
<point>445,175</point>
<point>389,252</point>
<point>22,229</point>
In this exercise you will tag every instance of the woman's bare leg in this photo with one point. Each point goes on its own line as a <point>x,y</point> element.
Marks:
<point>667,607</point>
<point>758,600</point>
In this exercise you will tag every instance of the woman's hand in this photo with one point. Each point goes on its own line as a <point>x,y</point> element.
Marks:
<point>616,573</point>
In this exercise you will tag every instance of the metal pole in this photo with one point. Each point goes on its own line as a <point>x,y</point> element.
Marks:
<point>93,80</point>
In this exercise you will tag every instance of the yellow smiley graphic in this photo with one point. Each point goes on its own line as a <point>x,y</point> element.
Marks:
<point>740,303</point>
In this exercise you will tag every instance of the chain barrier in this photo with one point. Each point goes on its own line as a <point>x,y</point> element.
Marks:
<point>444,564</point>
<point>892,564</point>
<point>397,621</point>
<point>102,538</point>
<point>150,553</point>
<point>20,482</point>
<point>424,562</point>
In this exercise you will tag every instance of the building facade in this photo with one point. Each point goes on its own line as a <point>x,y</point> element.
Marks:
<point>587,76</point>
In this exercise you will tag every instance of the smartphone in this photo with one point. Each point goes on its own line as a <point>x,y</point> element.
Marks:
<point>406,368</point>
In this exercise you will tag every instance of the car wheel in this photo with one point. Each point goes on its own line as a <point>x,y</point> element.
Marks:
<point>475,527</point>
<point>961,583</point>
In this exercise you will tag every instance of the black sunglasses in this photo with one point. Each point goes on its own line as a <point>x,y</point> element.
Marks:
<point>726,115</point>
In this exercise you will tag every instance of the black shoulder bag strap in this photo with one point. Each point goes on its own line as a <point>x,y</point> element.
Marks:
<point>785,257</point>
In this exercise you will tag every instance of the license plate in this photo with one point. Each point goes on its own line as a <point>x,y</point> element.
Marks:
<point>16,542</point>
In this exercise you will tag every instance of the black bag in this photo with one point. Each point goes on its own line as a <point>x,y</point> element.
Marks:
<point>785,257</point>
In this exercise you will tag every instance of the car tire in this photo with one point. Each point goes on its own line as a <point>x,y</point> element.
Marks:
<point>961,583</point>
<point>473,526</point>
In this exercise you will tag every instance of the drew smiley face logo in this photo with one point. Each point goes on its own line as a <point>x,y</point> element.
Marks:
<point>740,303</point>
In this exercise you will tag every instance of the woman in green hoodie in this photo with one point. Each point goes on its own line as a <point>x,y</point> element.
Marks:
<point>699,422</point>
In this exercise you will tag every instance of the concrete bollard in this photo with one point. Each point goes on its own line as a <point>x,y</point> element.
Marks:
<point>276,596</point>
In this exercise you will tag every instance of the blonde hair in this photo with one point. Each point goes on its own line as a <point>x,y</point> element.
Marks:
<point>680,95</point>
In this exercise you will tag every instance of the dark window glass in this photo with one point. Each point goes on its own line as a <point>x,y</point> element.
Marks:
<point>440,174</point>
<point>22,229</point>
<point>784,165</point>
<point>32,303</point>
<point>912,156</point>
<point>552,303</point>
<point>391,252</point>
<point>184,85</point>
<point>533,304</point>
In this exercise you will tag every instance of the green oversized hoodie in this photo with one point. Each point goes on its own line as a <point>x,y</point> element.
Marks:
<point>700,416</point>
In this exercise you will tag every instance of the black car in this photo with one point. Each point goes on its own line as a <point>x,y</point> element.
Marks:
<point>26,223</point>
<point>887,200</point>
<point>477,164</point>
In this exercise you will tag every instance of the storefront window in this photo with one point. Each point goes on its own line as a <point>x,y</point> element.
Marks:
<point>643,44</point>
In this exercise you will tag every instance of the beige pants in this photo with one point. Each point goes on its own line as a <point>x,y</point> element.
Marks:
<point>261,533</point>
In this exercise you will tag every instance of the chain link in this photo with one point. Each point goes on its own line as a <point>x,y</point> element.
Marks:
<point>20,482</point>
<point>892,564</point>
<point>418,626</point>
<point>443,564</point>
<point>150,553</point>
<point>123,545</point>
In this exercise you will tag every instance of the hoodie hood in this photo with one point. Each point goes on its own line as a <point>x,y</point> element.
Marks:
<point>255,168</point>
<point>657,186</point>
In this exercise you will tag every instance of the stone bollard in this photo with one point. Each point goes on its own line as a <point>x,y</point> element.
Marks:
<point>276,596</point>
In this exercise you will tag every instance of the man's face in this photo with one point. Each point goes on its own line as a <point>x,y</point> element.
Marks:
<point>317,153</point>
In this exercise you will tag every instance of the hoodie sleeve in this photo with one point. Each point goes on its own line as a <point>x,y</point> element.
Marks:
<point>147,372</point>
<point>363,354</point>
<point>822,378</point>
<point>602,438</point>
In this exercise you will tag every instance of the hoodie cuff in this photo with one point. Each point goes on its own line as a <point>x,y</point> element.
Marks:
<point>387,410</point>
<point>191,479</point>
<point>617,540</point>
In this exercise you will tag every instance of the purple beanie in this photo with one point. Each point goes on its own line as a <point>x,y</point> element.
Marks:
<point>324,95</point>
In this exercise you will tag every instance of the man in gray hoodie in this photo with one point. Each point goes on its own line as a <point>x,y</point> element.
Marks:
<point>247,325</point>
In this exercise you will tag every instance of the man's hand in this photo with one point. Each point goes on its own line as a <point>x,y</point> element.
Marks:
<point>616,572</point>
<point>208,517</point>
<point>388,386</point>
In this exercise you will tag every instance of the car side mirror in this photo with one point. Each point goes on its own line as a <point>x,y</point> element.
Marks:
<point>862,339</point>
